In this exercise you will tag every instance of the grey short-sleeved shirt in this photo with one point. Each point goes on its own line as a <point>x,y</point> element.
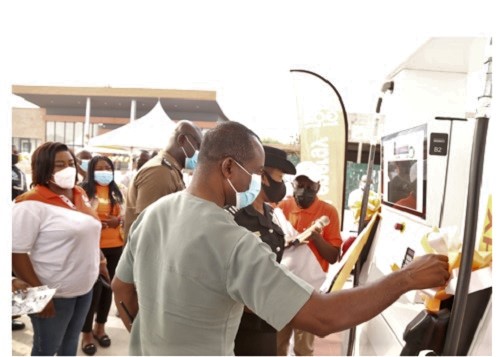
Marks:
<point>194,269</point>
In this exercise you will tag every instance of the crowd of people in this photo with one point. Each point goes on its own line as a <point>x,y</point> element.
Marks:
<point>193,270</point>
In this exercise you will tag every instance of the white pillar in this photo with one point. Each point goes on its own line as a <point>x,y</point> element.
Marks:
<point>360,150</point>
<point>133,106</point>
<point>86,125</point>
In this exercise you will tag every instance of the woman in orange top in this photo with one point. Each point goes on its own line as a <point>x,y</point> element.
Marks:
<point>107,199</point>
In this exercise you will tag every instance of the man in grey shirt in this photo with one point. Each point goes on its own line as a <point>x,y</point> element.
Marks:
<point>189,269</point>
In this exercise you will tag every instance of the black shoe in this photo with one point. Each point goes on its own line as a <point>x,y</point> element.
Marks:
<point>89,349</point>
<point>104,340</point>
<point>17,325</point>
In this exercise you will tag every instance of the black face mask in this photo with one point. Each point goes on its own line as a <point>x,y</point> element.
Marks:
<point>275,191</point>
<point>304,197</point>
<point>15,159</point>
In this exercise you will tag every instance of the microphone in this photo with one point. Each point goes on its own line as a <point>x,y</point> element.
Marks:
<point>323,221</point>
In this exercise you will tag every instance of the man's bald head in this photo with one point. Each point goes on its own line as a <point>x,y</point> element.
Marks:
<point>230,155</point>
<point>184,140</point>
<point>228,139</point>
<point>84,155</point>
<point>187,128</point>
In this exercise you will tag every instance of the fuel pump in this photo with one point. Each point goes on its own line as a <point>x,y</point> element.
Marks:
<point>450,330</point>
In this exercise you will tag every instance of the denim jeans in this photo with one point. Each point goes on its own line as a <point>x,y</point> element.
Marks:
<point>60,333</point>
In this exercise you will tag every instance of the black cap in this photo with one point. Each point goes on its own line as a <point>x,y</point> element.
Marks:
<point>276,158</point>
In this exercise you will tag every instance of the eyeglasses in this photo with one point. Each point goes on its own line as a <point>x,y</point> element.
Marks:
<point>261,170</point>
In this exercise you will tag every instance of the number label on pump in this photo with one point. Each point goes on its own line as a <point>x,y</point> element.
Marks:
<point>439,144</point>
<point>410,253</point>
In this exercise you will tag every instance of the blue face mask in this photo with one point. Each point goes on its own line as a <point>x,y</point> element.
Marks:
<point>103,178</point>
<point>244,199</point>
<point>190,162</point>
<point>85,165</point>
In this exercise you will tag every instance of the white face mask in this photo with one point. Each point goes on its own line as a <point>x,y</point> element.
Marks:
<point>65,178</point>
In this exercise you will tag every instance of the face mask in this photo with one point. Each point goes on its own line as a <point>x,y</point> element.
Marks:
<point>103,177</point>
<point>15,159</point>
<point>190,162</point>
<point>244,199</point>
<point>85,165</point>
<point>65,178</point>
<point>304,197</point>
<point>275,191</point>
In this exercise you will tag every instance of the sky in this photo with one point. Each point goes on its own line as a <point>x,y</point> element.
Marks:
<point>243,50</point>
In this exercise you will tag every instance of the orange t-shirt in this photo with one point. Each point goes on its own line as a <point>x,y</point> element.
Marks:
<point>110,237</point>
<point>302,218</point>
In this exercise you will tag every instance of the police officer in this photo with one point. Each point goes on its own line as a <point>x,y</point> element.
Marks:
<point>161,175</point>
<point>255,336</point>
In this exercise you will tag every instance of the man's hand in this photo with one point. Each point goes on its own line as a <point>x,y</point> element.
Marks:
<point>314,237</point>
<point>325,249</point>
<point>428,271</point>
<point>126,301</point>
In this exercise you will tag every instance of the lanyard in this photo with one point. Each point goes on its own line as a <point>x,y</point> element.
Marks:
<point>67,201</point>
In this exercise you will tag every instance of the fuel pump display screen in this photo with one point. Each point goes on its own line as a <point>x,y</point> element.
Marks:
<point>404,170</point>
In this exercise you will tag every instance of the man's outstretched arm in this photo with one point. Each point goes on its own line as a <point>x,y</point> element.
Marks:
<point>324,314</point>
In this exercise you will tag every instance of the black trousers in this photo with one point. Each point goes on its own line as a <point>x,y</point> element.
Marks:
<point>102,296</point>
<point>255,337</point>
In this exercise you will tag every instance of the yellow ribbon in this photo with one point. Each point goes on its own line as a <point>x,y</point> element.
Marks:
<point>481,259</point>
<point>372,207</point>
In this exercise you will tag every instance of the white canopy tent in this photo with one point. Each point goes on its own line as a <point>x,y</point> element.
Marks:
<point>148,132</point>
<point>105,150</point>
